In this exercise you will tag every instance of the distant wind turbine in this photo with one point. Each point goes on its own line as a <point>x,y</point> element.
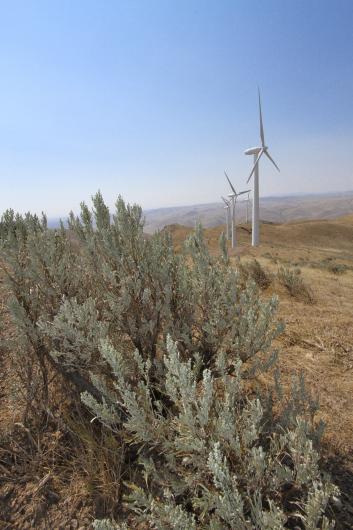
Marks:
<point>258,152</point>
<point>233,196</point>
<point>247,208</point>
<point>227,208</point>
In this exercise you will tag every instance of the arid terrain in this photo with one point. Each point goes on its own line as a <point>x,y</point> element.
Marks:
<point>318,341</point>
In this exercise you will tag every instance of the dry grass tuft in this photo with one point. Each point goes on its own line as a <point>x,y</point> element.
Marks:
<point>100,455</point>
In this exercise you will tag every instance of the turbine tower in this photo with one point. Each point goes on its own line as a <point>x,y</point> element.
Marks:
<point>258,152</point>
<point>247,208</point>
<point>233,196</point>
<point>227,208</point>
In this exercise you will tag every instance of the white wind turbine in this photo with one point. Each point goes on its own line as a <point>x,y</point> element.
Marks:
<point>257,152</point>
<point>247,208</point>
<point>227,208</point>
<point>233,196</point>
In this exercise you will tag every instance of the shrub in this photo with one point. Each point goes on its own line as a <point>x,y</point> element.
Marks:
<point>38,267</point>
<point>163,348</point>
<point>209,453</point>
<point>291,279</point>
<point>253,270</point>
<point>104,278</point>
<point>328,264</point>
<point>337,268</point>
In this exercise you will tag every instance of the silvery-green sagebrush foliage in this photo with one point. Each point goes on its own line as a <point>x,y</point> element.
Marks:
<point>140,288</point>
<point>137,280</point>
<point>227,317</point>
<point>291,279</point>
<point>105,524</point>
<point>146,291</point>
<point>37,265</point>
<point>163,346</point>
<point>77,331</point>
<point>208,455</point>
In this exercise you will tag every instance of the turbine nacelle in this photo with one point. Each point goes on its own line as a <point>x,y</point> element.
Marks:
<point>253,151</point>
<point>262,151</point>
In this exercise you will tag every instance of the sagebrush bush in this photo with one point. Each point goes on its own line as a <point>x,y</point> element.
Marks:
<point>291,279</point>
<point>211,455</point>
<point>253,270</point>
<point>164,348</point>
<point>40,269</point>
<point>337,268</point>
<point>330,265</point>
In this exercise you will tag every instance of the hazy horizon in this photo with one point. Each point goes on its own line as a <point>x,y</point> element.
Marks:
<point>272,199</point>
<point>154,100</point>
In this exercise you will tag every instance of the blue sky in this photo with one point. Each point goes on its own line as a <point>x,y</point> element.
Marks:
<point>154,98</point>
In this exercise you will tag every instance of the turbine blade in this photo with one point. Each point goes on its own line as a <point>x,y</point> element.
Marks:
<point>273,162</point>
<point>230,184</point>
<point>262,134</point>
<point>242,192</point>
<point>225,201</point>
<point>257,161</point>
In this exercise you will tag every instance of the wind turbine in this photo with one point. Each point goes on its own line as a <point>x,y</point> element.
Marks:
<point>233,196</point>
<point>227,208</point>
<point>258,152</point>
<point>247,208</point>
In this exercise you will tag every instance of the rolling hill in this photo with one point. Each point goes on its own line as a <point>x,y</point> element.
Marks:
<point>274,209</point>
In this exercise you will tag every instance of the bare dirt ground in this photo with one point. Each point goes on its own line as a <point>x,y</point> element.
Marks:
<point>318,340</point>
